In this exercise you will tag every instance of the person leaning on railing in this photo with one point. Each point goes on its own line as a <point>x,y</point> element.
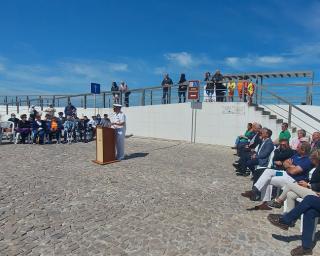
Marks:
<point>220,88</point>
<point>125,91</point>
<point>166,85</point>
<point>183,86</point>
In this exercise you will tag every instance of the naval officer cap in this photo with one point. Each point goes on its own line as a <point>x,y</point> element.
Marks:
<point>117,105</point>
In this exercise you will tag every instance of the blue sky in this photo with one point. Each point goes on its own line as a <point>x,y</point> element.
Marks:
<point>61,46</point>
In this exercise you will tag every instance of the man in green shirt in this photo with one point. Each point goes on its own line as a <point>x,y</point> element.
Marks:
<point>284,134</point>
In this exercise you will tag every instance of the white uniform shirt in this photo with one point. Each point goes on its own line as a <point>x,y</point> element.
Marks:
<point>119,118</point>
<point>92,123</point>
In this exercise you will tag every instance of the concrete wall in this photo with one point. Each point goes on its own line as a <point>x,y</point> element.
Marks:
<point>216,123</point>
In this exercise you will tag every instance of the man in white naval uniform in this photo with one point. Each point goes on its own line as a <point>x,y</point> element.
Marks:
<point>118,122</point>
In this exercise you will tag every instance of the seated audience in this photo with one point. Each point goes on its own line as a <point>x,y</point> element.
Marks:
<point>284,134</point>
<point>296,169</point>
<point>39,128</point>
<point>246,150</point>
<point>261,157</point>
<point>310,208</point>
<point>302,188</point>
<point>33,112</point>
<point>282,153</point>
<point>24,128</point>
<point>14,120</point>
<point>55,129</point>
<point>249,133</point>
<point>50,110</point>
<point>105,122</point>
<point>61,117</point>
<point>315,143</point>
<point>68,128</point>
<point>301,137</point>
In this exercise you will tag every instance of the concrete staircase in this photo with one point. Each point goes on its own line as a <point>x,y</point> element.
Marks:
<point>271,116</point>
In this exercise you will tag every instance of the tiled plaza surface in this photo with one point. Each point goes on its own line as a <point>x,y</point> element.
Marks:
<point>167,198</point>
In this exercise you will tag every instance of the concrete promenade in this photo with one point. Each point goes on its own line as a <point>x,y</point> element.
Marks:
<point>168,198</point>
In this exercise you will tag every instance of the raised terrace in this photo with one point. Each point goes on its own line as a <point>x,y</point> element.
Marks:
<point>166,198</point>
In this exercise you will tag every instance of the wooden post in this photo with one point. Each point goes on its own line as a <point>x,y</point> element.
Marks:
<point>104,100</point>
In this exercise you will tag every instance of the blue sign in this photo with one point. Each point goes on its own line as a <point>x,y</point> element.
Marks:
<point>95,88</point>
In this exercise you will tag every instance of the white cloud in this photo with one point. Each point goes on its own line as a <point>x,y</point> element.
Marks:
<point>251,60</point>
<point>71,74</point>
<point>183,59</point>
<point>160,70</point>
<point>299,56</point>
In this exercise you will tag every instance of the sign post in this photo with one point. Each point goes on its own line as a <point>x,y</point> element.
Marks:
<point>95,89</point>
<point>193,94</point>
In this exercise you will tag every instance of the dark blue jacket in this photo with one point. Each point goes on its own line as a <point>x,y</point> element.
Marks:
<point>264,152</point>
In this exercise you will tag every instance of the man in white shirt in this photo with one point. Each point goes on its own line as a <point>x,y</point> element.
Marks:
<point>118,122</point>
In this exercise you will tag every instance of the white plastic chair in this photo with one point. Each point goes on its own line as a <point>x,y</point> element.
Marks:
<point>7,131</point>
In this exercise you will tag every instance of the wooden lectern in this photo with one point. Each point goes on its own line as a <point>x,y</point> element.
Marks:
<point>106,152</point>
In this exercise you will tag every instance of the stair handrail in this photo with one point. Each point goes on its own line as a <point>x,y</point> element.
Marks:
<point>290,105</point>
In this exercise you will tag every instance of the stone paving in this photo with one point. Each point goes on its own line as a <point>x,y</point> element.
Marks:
<point>168,198</point>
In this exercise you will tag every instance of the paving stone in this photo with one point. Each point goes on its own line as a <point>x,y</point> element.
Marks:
<point>168,198</point>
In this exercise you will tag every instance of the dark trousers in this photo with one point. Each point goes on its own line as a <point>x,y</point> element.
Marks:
<point>126,99</point>
<point>55,134</point>
<point>165,97</point>
<point>182,94</point>
<point>251,164</point>
<point>38,134</point>
<point>310,207</point>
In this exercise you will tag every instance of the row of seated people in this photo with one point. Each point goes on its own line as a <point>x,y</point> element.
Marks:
<point>292,166</point>
<point>39,131</point>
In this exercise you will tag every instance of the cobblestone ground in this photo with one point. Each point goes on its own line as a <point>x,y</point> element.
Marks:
<point>168,198</point>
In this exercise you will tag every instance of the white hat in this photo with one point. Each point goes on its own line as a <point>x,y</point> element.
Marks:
<point>117,105</point>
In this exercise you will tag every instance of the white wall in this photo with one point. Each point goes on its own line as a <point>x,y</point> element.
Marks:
<point>216,122</point>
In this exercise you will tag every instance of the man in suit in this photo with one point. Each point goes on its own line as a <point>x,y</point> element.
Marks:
<point>261,157</point>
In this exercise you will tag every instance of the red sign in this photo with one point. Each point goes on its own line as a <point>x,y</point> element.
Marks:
<point>193,91</point>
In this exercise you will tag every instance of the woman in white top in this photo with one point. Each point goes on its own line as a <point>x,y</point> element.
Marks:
<point>301,138</point>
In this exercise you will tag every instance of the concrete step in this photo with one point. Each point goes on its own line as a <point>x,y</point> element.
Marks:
<point>266,112</point>
<point>272,117</point>
<point>279,121</point>
<point>253,105</point>
<point>259,108</point>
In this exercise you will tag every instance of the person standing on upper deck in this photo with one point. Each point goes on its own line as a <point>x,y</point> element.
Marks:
<point>220,88</point>
<point>166,88</point>
<point>118,122</point>
<point>183,87</point>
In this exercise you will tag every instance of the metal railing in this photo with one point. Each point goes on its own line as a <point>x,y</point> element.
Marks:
<point>288,115</point>
<point>296,94</point>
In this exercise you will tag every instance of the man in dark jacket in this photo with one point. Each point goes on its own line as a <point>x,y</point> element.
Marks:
<point>261,157</point>
<point>217,79</point>
<point>70,110</point>
<point>39,128</point>
<point>282,153</point>
<point>14,119</point>
<point>166,88</point>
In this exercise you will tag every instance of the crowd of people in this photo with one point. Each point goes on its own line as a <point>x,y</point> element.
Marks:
<point>216,88</point>
<point>65,127</point>
<point>282,170</point>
